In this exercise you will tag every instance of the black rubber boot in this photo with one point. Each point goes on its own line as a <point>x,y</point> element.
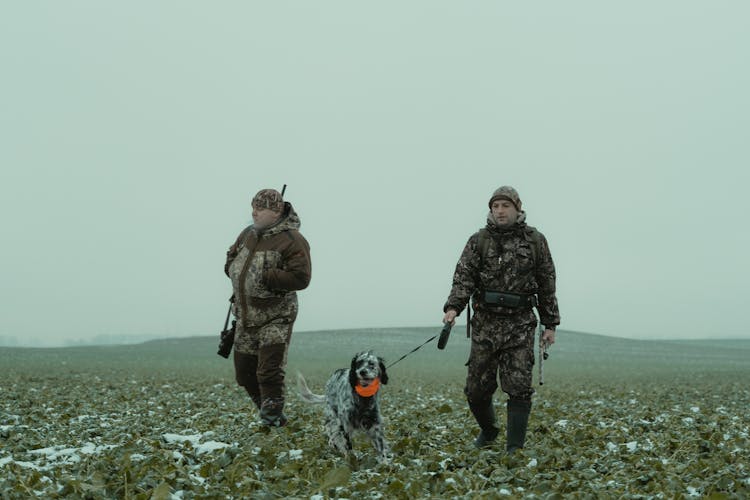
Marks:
<point>484,413</point>
<point>518,420</point>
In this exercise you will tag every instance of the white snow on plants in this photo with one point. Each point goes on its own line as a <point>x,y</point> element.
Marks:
<point>562,423</point>
<point>195,441</point>
<point>532,463</point>
<point>695,409</point>
<point>92,449</point>
<point>209,446</point>
<point>170,438</point>
<point>632,446</point>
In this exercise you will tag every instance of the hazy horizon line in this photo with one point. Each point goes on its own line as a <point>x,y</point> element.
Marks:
<point>113,340</point>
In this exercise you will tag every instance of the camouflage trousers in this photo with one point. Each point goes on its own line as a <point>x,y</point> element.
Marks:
<point>261,345</point>
<point>501,346</point>
<point>265,326</point>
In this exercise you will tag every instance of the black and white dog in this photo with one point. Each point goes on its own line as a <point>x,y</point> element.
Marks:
<point>351,398</point>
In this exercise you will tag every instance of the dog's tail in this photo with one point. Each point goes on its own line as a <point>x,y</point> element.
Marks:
<point>305,393</point>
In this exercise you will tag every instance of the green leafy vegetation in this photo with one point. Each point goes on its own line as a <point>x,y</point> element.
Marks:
<point>616,418</point>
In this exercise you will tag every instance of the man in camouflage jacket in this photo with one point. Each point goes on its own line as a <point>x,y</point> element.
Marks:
<point>506,269</point>
<point>267,263</point>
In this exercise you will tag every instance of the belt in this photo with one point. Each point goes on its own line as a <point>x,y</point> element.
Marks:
<point>505,299</point>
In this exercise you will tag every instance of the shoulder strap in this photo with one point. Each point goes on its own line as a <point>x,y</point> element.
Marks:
<point>531,233</point>
<point>483,245</point>
<point>535,237</point>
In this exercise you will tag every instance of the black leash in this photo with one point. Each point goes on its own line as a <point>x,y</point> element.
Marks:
<point>413,350</point>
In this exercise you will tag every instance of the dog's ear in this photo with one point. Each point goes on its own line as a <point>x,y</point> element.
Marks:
<point>353,379</point>
<point>383,374</point>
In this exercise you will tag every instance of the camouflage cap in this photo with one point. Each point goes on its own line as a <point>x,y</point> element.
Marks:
<point>268,198</point>
<point>506,193</point>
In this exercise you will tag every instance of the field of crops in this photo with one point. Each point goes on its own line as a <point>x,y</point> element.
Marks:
<point>616,418</point>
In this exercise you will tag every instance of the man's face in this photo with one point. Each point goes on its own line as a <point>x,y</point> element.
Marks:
<point>504,212</point>
<point>264,217</point>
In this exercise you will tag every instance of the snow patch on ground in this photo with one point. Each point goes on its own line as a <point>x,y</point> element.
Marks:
<point>170,438</point>
<point>52,456</point>
<point>209,446</point>
<point>195,441</point>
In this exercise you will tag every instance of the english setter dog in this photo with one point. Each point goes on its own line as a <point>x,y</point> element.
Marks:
<point>351,398</point>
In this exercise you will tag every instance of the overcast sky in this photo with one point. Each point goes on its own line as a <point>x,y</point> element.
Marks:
<point>134,135</point>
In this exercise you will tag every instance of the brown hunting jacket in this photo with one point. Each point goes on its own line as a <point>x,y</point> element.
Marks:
<point>267,266</point>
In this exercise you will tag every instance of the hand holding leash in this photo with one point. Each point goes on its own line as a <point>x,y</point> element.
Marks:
<point>444,335</point>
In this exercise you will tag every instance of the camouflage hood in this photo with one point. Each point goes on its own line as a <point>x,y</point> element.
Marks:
<point>289,220</point>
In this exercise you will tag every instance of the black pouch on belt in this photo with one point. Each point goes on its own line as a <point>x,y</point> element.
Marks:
<point>505,299</point>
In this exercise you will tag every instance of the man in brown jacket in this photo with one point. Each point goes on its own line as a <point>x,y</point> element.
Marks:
<point>267,263</point>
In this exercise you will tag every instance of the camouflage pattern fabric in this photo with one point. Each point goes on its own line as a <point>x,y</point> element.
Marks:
<point>502,340</point>
<point>268,199</point>
<point>266,267</point>
<point>508,267</point>
<point>266,326</point>
<point>501,346</point>
<point>506,193</point>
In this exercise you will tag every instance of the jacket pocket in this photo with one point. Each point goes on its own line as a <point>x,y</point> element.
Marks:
<point>262,262</point>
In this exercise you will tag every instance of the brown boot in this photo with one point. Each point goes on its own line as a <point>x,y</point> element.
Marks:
<point>272,412</point>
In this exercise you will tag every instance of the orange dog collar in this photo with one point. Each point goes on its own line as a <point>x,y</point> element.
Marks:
<point>370,390</point>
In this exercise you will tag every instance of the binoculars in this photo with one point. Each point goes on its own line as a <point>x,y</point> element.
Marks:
<point>226,341</point>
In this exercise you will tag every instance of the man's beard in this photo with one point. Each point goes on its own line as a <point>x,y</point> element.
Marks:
<point>509,221</point>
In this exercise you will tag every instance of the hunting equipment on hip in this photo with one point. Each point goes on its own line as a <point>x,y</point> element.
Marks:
<point>226,337</point>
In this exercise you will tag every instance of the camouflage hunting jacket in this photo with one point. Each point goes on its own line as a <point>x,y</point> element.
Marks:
<point>267,266</point>
<point>509,265</point>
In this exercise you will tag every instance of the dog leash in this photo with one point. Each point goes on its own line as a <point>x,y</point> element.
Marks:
<point>413,350</point>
